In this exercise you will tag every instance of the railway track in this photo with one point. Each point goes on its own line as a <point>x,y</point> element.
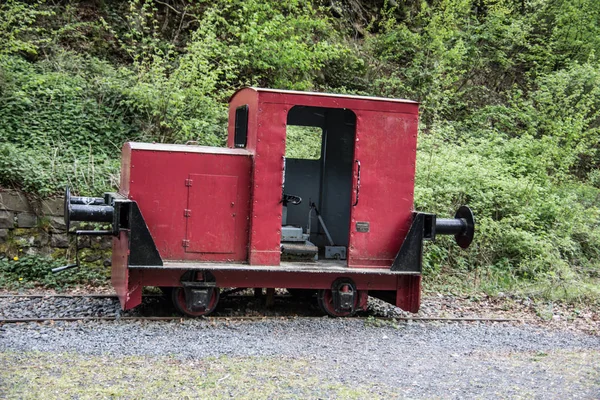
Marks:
<point>83,296</point>
<point>288,314</point>
<point>251,318</point>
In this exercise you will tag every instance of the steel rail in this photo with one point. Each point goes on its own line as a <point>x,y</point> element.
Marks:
<point>58,295</point>
<point>217,317</point>
<point>99,295</point>
<point>256,318</point>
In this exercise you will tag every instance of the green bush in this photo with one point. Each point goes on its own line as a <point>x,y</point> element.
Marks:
<point>509,92</point>
<point>46,171</point>
<point>29,271</point>
<point>71,102</point>
<point>62,122</point>
<point>528,229</point>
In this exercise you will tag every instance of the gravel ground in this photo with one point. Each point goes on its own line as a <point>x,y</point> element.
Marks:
<point>308,357</point>
<point>414,360</point>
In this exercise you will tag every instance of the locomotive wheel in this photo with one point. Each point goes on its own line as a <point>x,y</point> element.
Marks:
<point>325,301</point>
<point>178,298</point>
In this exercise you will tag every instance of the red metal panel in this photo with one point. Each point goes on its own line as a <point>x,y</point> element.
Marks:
<point>269,279</point>
<point>119,268</point>
<point>266,211</point>
<point>328,100</point>
<point>127,282</point>
<point>407,287</point>
<point>386,148</point>
<point>125,168</point>
<point>212,208</point>
<point>266,139</point>
<point>134,290</point>
<point>408,295</point>
<point>158,175</point>
<point>243,97</point>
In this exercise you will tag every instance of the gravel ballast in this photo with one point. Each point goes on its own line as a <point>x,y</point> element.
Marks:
<point>416,360</point>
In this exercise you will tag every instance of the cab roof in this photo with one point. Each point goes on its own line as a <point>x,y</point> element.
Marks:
<point>318,94</point>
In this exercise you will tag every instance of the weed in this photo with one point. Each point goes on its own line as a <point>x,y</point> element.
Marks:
<point>29,271</point>
<point>381,323</point>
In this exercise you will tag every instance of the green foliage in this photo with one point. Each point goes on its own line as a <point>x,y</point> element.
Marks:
<point>528,229</point>
<point>269,44</point>
<point>140,38</point>
<point>48,172</point>
<point>61,122</point>
<point>509,92</point>
<point>561,118</point>
<point>72,102</point>
<point>18,31</point>
<point>456,55</point>
<point>172,109</point>
<point>29,271</point>
<point>303,142</point>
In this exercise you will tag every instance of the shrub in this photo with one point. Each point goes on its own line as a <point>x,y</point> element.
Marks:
<point>29,271</point>
<point>528,228</point>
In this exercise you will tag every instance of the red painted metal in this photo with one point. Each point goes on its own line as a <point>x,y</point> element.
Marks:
<point>127,282</point>
<point>159,179</point>
<point>119,268</point>
<point>386,139</point>
<point>262,279</point>
<point>386,148</point>
<point>224,204</point>
<point>408,294</point>
<point>211,228</point>
<point>406,287</point>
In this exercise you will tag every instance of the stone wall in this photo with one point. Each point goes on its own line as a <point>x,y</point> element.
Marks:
<point>29,226</point>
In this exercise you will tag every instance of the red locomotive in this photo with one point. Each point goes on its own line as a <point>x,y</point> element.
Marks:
<point>196,218</point>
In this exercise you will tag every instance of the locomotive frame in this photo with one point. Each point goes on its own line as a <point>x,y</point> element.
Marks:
<point>197,218</point>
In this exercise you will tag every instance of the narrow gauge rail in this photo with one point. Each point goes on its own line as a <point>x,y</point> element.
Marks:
<point>256,318</point>
<point>215,318</point>
<point>50,295</point>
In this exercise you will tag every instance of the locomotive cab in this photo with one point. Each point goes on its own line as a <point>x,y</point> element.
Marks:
<point>333,215</point>
<point>318,178</point>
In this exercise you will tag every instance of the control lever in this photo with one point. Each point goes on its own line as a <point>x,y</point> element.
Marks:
<point>331,251</point>
<point>64,267</point>
<point>69,266</point>
<point>290,198</point>
<point>313,206</point>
